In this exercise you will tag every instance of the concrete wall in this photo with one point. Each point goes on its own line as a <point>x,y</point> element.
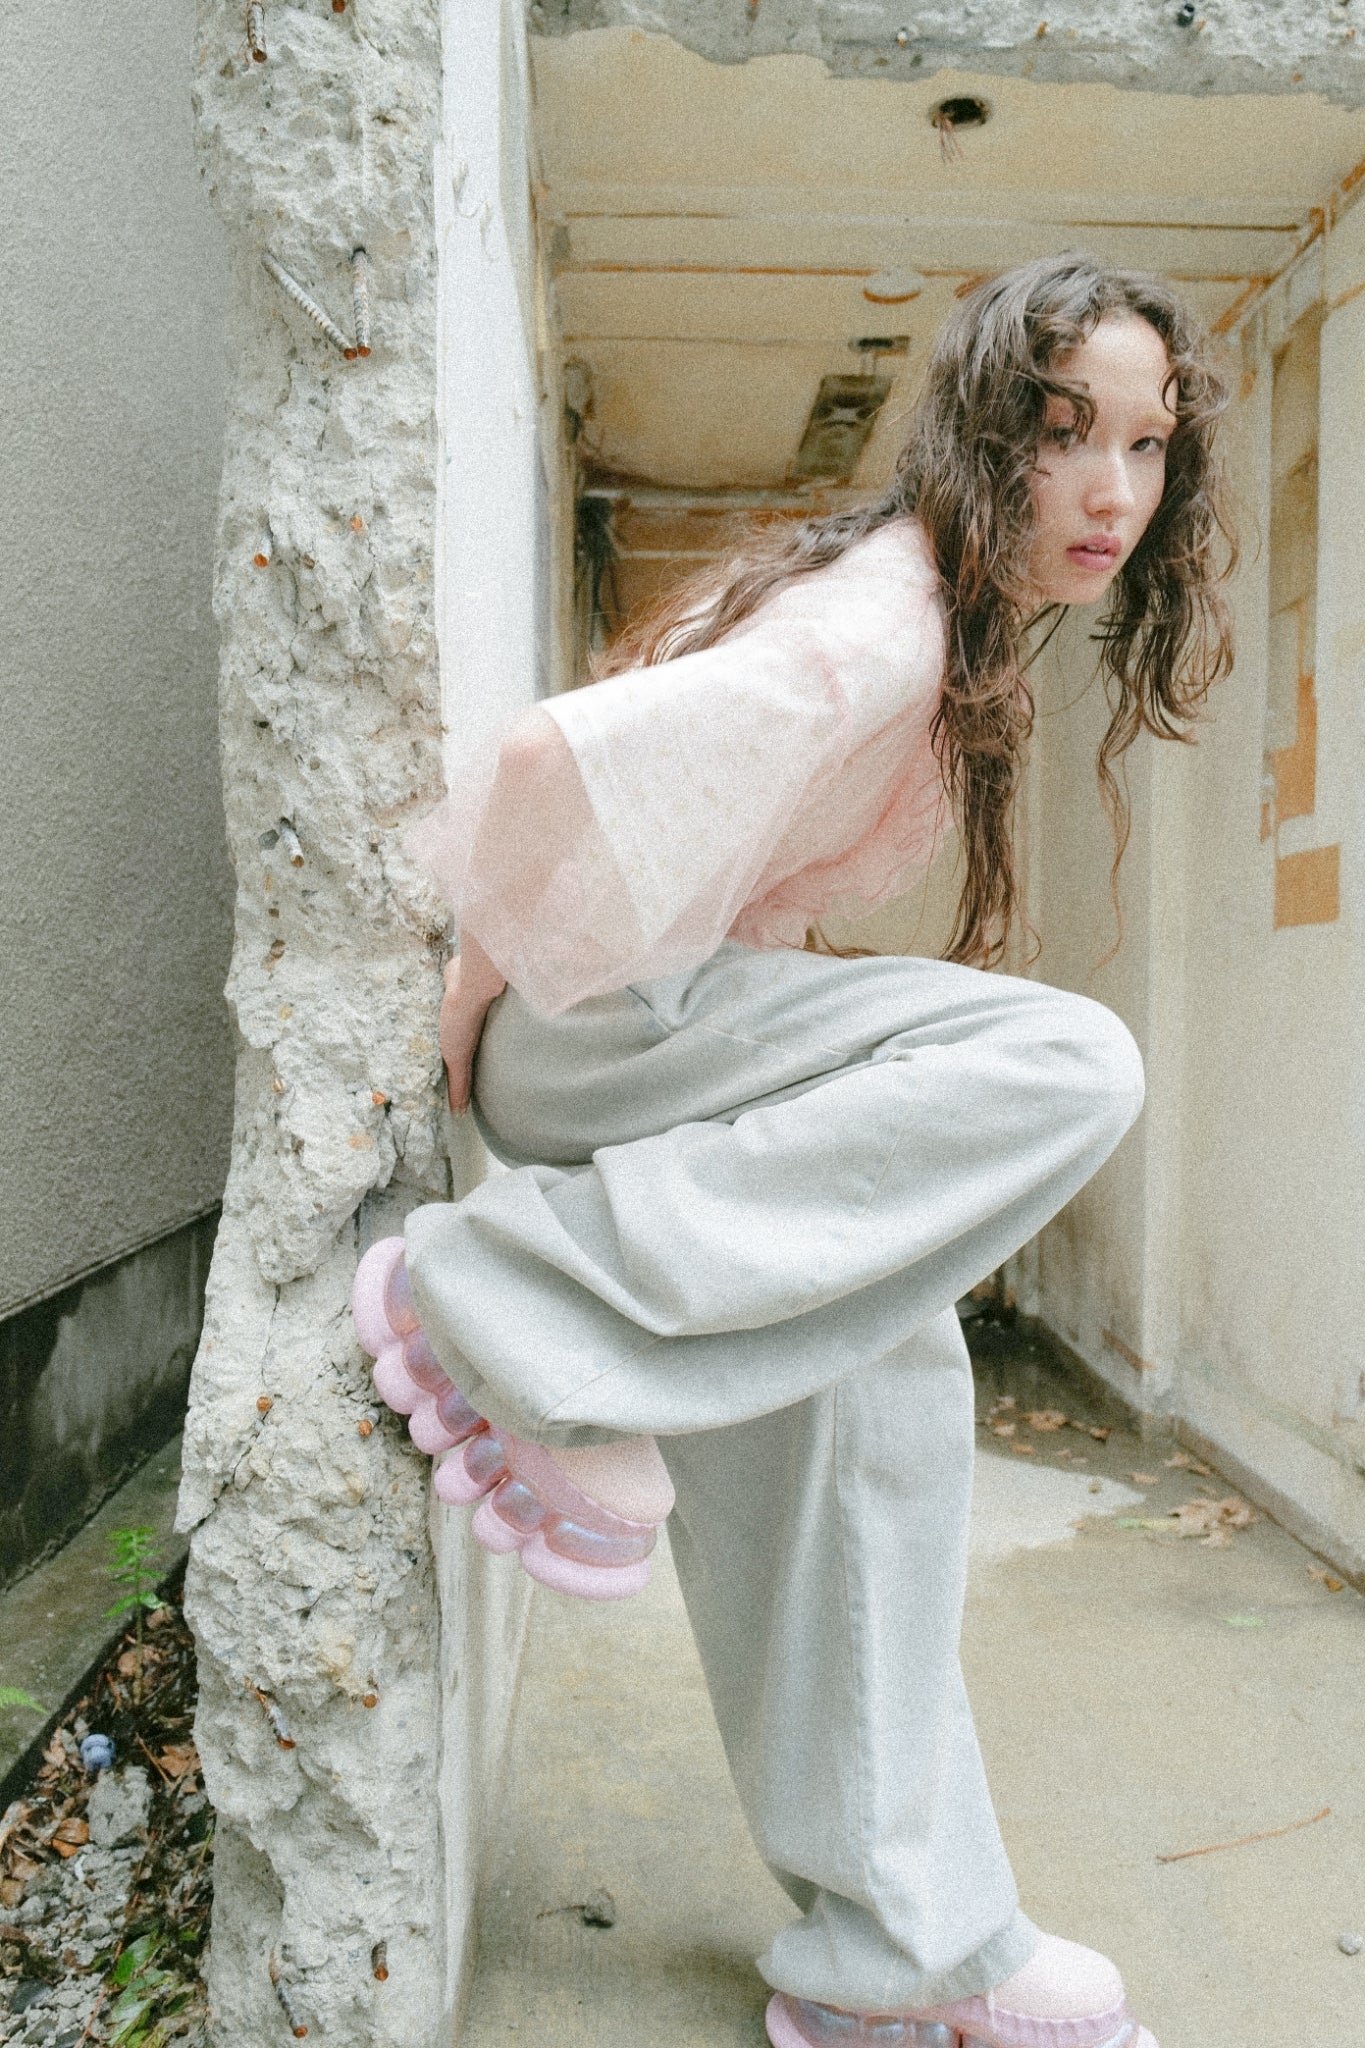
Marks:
<point>115,1046</point>
<point>400,504</point>
<point>504,545</point>
<point>1273,1166</point>
<point>1210,1272</point>
<point>1292,46</point>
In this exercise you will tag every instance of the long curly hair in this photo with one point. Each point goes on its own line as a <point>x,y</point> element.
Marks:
<point>966,474</point>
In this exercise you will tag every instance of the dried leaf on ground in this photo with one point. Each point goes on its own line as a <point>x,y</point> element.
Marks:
<point>1326,1578</point>
<point>177,1758</point>
<point>1046,1419</point>
<point>1144,1478</point>
<point>1024,1450</point>
<point>1202,1517</point>
<point>1001,1428</point>
<point>1209,1521</point>
<point>1181,1461</point>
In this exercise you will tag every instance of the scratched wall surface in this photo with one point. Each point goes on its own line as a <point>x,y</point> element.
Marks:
<point>311,1588</point>
<point>1219,46</point>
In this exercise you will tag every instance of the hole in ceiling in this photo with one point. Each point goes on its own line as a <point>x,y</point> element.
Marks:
<point>963,112</point>
<point>840,421</point>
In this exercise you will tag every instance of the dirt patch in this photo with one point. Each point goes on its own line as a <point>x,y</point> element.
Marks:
<point>105,1877</point>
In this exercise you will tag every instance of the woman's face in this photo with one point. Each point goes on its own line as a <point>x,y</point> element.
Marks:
<point>1095,495</point>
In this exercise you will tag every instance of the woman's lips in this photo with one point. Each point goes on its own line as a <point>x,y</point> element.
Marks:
<point>1101,553</point>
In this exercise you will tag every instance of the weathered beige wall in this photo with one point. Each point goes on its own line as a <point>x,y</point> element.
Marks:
<point>1211,1271</point>
<point>1273,1164</point>
<point>115,1048</point>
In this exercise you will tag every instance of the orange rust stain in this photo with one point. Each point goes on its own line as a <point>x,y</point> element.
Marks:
<point>1246,297</point>
<point>1350,181</point>
<point>1308,887</point>
<point>1345,298</point>
<point>1295,768</point>
<point>1127,1353</point>
<point>1320,219</point>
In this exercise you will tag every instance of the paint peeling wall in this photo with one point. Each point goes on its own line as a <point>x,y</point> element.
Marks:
<point>1211,1271</point>
<point>1219,46</point>
<point>1272,1361</point>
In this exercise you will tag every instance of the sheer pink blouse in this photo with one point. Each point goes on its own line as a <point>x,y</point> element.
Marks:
<point>625,829</point>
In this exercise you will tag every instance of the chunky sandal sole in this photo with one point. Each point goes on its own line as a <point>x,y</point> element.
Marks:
<point>799,2023</point>
<point>524,1502</point>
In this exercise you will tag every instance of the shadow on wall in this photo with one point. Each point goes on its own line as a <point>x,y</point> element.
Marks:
<point>92,1381</point>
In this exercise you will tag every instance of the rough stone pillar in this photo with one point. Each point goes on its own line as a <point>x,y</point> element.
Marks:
<point>311,1588</point>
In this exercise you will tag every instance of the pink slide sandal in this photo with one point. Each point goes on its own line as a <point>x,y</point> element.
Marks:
<point>797,2023</point>
<point>1065,1996</point>
<point>528,1503</point>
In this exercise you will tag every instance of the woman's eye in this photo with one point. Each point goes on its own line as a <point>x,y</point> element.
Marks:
<point>1150,444</point>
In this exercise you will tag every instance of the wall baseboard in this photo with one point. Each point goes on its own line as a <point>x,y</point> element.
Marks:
<point>93,1380</point>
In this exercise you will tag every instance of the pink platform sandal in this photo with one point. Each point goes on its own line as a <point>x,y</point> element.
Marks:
<point>1065,1996</point>
<point>528,1503</point>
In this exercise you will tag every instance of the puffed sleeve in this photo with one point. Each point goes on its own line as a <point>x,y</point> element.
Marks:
<point>626,824</point>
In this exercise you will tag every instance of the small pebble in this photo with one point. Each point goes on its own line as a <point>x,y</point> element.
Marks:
<point>1350,1944</point>
<point>599,1909</point>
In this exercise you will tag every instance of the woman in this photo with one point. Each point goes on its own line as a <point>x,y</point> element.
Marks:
<point>752,1179</point>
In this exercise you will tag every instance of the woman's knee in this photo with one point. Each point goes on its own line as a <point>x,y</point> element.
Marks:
<point>1103,1067</point>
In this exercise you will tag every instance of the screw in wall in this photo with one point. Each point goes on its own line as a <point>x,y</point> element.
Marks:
<point>360,300</point>
<point>287,2007</point>
<point>323,321</point>
<point>279,1725</point>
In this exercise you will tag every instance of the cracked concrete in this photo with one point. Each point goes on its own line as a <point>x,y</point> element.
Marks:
<point>311,1585</point>
<point>1224,47</point>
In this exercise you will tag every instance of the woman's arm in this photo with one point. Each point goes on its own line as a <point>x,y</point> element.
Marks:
<point>472,982</point>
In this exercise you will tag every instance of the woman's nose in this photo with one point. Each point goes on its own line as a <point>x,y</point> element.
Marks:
<point>1109,487</point>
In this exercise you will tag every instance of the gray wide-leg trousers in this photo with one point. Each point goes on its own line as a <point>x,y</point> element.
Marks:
<point>745,1200</point>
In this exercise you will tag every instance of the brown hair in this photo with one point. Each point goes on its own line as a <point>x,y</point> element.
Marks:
<point>966,473</point>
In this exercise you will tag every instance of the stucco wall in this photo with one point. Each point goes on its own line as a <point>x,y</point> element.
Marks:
<point>115,1049</point>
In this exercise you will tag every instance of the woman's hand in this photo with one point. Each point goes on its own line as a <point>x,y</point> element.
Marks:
<point>472,982</point>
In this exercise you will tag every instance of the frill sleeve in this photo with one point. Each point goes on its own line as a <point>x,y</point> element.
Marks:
<point>626,825</point>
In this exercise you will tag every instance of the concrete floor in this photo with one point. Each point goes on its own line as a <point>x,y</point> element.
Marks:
<point>1137,1694</point>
